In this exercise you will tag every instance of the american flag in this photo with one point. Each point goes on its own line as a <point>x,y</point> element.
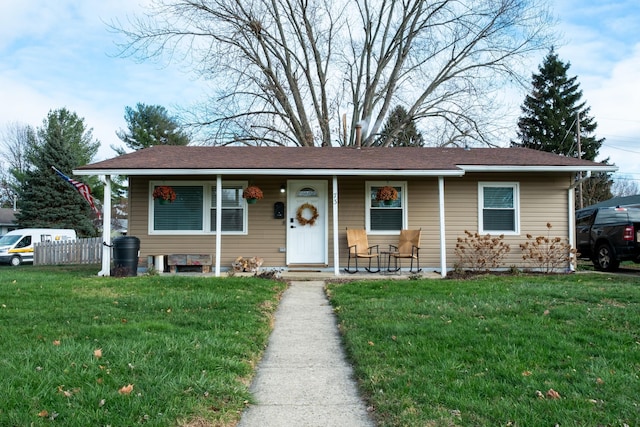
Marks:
<point>82,188</point>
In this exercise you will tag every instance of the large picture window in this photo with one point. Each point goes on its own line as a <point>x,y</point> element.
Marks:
<point>384,218</point>
<point>499,207</point>
<point>194,209</point>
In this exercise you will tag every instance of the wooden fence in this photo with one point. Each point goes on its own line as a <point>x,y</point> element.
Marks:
<point>80,251</point>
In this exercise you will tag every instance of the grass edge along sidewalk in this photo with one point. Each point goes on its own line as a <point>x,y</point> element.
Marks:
<point>81,350</point>
<point>495,350</point>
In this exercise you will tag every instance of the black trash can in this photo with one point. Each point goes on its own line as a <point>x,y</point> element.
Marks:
<point>125,255</point>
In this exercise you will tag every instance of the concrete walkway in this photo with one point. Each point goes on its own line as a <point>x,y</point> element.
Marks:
<point>304,379</point>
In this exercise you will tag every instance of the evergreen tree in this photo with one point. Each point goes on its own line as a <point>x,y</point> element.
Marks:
<point>400,130</point>
<point>550,114</point>
<point>150,125</point>
<point>46,200</point>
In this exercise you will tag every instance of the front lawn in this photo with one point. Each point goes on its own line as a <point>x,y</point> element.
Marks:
<point>496,350</point>
<point>79,350</point>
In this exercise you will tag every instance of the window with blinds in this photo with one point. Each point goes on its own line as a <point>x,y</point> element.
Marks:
<point>194,209</point>
<point>184,213</point>
<point>383,217</point>
<point>499,208</point>
<point>232,209</point>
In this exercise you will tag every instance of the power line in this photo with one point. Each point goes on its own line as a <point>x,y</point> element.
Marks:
<point>622,149</point>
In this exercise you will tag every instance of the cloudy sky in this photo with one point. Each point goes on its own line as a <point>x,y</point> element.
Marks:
<point>60,53</point>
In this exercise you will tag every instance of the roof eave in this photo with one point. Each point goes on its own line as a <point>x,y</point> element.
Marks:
<point>493,168</point>
<point>279,172</point>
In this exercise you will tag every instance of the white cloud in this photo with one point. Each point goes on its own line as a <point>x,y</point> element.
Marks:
<point>615,107</point>
<point>61,54</point>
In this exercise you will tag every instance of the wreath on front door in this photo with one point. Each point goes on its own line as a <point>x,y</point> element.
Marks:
<point>300,214</point>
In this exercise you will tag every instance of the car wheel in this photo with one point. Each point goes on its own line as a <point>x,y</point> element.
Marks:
<point>605,259</point>
<point>16,261</point>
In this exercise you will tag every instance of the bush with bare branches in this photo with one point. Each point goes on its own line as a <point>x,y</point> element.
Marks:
<point>548,254</point>
<point>481,253</point>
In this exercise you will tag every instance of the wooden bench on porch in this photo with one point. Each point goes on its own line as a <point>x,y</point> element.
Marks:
<point>188,260</point>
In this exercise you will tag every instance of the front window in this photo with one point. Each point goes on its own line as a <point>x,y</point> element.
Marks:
<point>499,208</point>
<point>194,210</point>
<point>384,217</point>
<point>232,210</point>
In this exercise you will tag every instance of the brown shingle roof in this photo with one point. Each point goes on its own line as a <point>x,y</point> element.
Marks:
<point>332,158</point>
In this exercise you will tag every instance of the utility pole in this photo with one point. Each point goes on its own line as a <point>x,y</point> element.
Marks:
<point>579,156</point>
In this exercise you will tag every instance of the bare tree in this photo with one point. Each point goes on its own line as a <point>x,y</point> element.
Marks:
<point>624,186</point>
<point>305,72</point>
<point>16,140</point>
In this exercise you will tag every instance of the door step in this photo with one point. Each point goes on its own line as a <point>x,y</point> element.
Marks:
<point>306,268</point>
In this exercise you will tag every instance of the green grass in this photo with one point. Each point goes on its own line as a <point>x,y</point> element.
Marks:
<point>188,345</point>
<point>477,352</point>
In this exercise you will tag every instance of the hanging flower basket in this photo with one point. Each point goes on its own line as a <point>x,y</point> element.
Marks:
<point>387,195</point>
<point>252,194</point>
<point>165,193</point>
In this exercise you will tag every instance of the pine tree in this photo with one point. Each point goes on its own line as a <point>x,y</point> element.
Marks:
<point>150,125</point>
<point>550,114</point>
<point>400,130</point>
<point>46,200</point>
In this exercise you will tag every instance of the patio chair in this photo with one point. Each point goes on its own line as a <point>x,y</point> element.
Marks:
<point>408,247</point>
<point>359,248</point>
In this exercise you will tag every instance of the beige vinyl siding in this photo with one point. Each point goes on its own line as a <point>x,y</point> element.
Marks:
<point>422,203</point>
<point>265,233</point>
<point>543,198</point>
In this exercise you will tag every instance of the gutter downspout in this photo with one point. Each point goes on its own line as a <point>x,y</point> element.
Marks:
<point>572,223</point>
<point>443,239</point>
<point>218,222</point>
<point>571,191</point>
<point>336,243</point>
<point>106,228</point>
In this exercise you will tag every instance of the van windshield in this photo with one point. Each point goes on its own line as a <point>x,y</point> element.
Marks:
<point>9,240</point>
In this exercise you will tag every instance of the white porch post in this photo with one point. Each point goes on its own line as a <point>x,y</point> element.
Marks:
<point>106,228</point>
<point>218,222</point>
<point>336,242</point>
<point>443,240</point>
<point>572,223</point>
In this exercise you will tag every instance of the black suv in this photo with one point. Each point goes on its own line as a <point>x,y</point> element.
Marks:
<point>607,236</point>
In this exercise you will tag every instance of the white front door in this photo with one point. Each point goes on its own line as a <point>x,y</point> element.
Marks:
<point>306,222</point>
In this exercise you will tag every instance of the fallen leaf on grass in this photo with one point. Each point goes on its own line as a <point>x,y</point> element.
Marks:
<point>599,381</point>
<point>539,394</point>
<point>56,342</point>
<point>43,414</point>
<point>552,394</point>
<point>66,393</point>
<point>97,353</point>
<point>126,389</point>
<point>371,343</point>
<point>526,373</point>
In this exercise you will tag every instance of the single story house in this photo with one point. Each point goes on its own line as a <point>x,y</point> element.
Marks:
<point>313,194</point>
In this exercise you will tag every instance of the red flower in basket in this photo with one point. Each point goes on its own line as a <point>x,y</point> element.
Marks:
<point>386,193</point>
<point>252,192</point>
<point>164,192</point>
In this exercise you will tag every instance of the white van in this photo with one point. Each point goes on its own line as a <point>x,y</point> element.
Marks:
<point>16,246</point>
